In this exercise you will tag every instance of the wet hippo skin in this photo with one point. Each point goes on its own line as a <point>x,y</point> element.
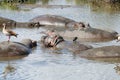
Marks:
<point>90,34</point>
<point>51,20</point>
<point>69,45</point>
<point>73,46</point>
<point>102,52</point>
<point>16,48</point>
<point>55,20</point>
<point>9,22</point>
<point>12,23</point>
<point>85,34</point>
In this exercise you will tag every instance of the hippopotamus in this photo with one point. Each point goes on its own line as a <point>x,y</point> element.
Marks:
<point>101,52</point>
<point>73,46</point>
<point>90,34</point>
<point>11,49</point>
<point>81,30</point>
<point>60,43</point>
<point>7,21</point>
<point>12,23</point>
<point>55,20</point>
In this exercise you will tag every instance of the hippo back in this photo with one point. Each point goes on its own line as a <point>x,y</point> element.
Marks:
<point>13,49</point>
<point>90,34</point>
<point>52,20</point>
<point>102,52</point>
<point>9,22</point>
<point>73,46</point>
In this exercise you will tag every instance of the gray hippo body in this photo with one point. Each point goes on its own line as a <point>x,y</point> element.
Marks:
<point>69,45</point>
<point>90,34</point>
<point>73,46</point>
<point>55,20</point>
<point>10,49</point>
<point>12,23</point>
<point>86,34</point>
<point>102,52</point>
<point>52,20</point>
<point>7,21</point>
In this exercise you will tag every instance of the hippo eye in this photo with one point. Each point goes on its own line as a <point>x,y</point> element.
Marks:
<point>31,24</point>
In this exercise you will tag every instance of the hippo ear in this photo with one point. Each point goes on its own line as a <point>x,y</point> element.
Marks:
<point>81,24</point>
<point>37,24</point>
<point>88,25</point>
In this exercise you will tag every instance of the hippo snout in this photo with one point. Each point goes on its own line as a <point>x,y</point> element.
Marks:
<point>34,44</point>
<point>29,43</point>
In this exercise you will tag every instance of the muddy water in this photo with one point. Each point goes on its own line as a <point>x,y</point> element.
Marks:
<point>49,64</point>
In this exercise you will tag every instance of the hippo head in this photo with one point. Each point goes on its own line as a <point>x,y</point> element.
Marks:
<point>29,43</point>
<point>81,25</point>
<point>8,24</point>
<point>46,40</point>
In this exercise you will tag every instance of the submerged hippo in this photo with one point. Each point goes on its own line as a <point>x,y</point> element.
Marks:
<point>73,46</point>
<point>56,20</point>
<point>90,34</point>
<point>83,31</point>
<point>102,52</point>
<point>12,23</point>
<point>60,43</point>
<point>7,21</point>
<point>9,49</point>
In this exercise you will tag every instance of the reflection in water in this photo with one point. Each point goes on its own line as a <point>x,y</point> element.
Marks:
<point>95,5</point>
<point>9,69</point>
<point>117,69</point>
